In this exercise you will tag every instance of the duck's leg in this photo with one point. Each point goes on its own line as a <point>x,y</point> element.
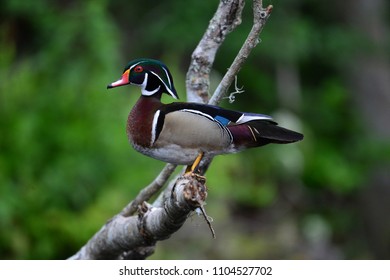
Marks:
<point>192,170</point>
<point>194,166</point>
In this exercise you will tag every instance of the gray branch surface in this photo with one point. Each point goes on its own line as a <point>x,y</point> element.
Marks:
<point>129,236</point>
<point>135,236</point>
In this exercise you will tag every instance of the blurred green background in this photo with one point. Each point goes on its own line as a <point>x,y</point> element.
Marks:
<point>66,167</point>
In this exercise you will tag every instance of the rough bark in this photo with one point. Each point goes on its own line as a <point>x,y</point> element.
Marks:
<point>224,21</point>
<point>135,236</point>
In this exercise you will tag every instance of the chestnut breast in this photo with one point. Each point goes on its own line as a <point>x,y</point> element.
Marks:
<point>139,122</point>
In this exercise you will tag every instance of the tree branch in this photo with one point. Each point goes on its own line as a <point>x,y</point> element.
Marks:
<point>260,17</point>
<point>133,237</point>
<point>225,20</point>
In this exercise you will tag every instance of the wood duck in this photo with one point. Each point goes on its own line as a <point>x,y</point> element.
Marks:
<point>183,133</point>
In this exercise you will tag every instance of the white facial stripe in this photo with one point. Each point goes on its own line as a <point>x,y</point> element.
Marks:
<point>167,74</point>
<point>168,88</point>
<point>143,87</point>
<point>150,93</point>
<point>137,64</point>
<point>145,81</point>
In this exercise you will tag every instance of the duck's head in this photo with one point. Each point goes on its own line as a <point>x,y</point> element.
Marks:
<point>151,75</point>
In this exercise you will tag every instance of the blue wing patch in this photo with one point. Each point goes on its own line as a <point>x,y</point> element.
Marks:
<point>222,120</point>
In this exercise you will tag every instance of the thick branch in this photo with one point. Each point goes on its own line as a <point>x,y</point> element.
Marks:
<point>226,19</point>
<point>122,236</point>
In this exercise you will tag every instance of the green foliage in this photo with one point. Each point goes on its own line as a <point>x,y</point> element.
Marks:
<point>62,135</point>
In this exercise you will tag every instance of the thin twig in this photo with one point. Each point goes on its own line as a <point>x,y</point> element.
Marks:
<point>260,17</point>
<point>237,90</point>
<point>208,220</point>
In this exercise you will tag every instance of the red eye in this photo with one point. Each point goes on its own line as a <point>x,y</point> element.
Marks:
<point>138,69</point>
